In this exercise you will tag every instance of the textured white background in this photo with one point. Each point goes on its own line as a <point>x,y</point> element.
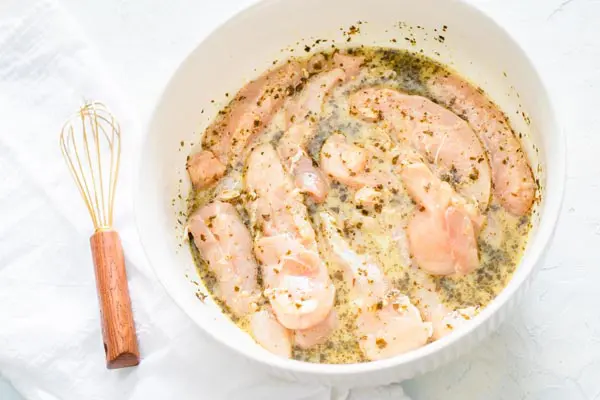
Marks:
<point>550,348</point>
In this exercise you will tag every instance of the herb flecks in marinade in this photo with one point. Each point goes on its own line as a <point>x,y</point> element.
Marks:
<point>368,229</point>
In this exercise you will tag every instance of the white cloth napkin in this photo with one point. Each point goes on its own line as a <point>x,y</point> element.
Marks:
<point>50,341</point>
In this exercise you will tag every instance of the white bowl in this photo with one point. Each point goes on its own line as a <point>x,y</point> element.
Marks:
<point>245,46</point>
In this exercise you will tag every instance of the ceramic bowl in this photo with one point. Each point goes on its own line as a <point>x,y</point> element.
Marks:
<point>452,32</point>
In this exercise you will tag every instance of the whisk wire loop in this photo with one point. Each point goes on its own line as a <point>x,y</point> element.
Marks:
<point>90,142</point>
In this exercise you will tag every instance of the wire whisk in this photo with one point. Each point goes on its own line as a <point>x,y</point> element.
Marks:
<point>90,142</point>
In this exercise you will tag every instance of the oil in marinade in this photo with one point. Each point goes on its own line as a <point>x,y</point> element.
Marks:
<point>374,230</point>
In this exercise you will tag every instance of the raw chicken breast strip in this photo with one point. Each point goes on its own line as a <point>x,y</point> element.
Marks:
<point>301,112</point>
<point>387,324</point>
<point>251,110</point>
<point>270,334</point>
<point>442,234</point>
<point>296,279</point>
<point>513,179</point>
<point>225,244</point>
<point>445,140</point>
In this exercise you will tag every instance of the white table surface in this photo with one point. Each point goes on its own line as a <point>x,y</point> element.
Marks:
<point>550,348</point>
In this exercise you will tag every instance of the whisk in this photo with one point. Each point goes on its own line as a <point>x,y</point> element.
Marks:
<point>91,145</point>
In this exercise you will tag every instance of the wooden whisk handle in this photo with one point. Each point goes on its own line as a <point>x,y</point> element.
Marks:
<point>118,329</point>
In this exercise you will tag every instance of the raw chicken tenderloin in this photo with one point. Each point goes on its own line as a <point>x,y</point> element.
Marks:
<point>204,169</point>
<point>308,178</point>
<point>309,102</point>
<point>301,112</point>
<point>442,234</point>
<point>296,279</point>
<point>250,111</point>
<point>444,139</point>
<point>225,244</point>
<point>513,179</point>
<point>270,334</point>
<point>387,324</point>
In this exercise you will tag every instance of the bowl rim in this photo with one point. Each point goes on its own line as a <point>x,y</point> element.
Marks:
<point>543,236</point>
